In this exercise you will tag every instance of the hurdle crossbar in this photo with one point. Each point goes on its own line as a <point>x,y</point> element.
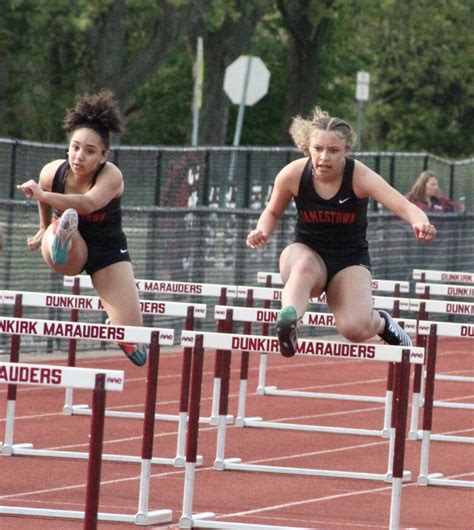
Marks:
<point>424,307</point>
<point>427,275</point>
<point>259,315</point>
<point>425,290</point>
<point>179,288</point>
<point>435,330</point>
<point>75,302</point>
<point>253,344</point>
<point>16,326</point>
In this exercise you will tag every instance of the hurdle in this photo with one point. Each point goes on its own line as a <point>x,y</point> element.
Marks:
<point>251,315</point>
<point>232,342</point>
<point>427,275</point>
<point>443,329</point>
<point>17,326</point>
<point>423,307</point>
<point>268,294</point>
<point>222,292</point>
<point>93,303</point>
<point>13,373</point>
<point>393,287</point>
<point>434,330</point>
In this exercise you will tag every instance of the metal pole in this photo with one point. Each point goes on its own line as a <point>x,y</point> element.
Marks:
<point>360,120</point>
<point>240,118</point>
<point>198,82</point>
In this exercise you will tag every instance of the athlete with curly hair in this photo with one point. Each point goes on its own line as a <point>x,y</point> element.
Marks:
<point>80,218</point>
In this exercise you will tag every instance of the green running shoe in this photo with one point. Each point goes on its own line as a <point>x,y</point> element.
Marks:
<point>287,331</point>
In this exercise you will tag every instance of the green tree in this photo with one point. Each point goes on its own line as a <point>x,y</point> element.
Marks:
<point>423,85</point>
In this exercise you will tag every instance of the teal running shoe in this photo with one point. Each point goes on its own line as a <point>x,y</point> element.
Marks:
<point>64,229</point>
<point>135,352</point>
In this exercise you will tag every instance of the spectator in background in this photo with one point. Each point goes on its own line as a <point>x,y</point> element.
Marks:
<point>427,195</point>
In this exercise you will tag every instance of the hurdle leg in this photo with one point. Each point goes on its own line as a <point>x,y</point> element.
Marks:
<point>397,397</point>
<point>388,402</point>
<point>262,367</point>
<point>395,372</point>
<point>95,454</point>
<point>424,476</point>
<point>417,398</point>
<point>7,446</point>
<point>143,516</point>
<point>216,390</point>
<point>399,453</point>
<point>183,407</point>
<point>187,518</point>
<point>416,403</point>
<point>223,408</point>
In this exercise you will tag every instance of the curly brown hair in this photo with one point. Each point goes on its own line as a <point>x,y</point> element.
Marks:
<point>301,129</point>
<point>99,112</point>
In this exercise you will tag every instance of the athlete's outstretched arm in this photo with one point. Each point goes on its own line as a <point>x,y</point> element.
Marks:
<point>367,183</point>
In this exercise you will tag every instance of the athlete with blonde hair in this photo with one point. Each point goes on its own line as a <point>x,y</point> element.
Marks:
<point>330,250</point>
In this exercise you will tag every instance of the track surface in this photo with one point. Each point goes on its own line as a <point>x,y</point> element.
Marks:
<point>238,496</point>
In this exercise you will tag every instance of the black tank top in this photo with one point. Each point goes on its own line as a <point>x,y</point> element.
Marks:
<point>339,223</point>
<point>99,226</point>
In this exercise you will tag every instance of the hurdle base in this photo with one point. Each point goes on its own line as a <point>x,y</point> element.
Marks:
<point>154,517</point>
<point>69,410</point>
<point>406,476</point>
<point>425,480</point>
<point>414,435</point>
<point>241,422</point>
<point>71,514</point>
<point>11,450</point>
<point>262,390</point>
<point>221,465</point>
<point>214,420</point>
<point>237,465</point>
<point>385,433</point>
<point>29,450</point>
<point>180,461</point>
<point>187,521</point>
<point>258,423</point>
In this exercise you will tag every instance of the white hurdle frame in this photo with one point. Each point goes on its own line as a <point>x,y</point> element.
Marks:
<point>222,292</point>
<point>93,303</point>
<point>423,307</point>
<point>434,330</point>
<point>100,381</point>
<point>250,315</point>
<point>48,328</point>
<point>394,304</point>
<point>231,342</point>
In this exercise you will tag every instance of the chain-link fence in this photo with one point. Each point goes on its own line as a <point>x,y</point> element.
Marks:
<point>236,177</point>
<point>207,245</point>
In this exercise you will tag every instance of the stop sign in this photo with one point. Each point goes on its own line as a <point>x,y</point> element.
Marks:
<point>247,79</point>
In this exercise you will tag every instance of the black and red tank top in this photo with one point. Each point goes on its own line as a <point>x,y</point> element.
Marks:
<point>334,224</point>
<point>98,226</point>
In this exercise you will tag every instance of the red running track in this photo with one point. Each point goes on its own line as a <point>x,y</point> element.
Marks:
<point>245,497</point>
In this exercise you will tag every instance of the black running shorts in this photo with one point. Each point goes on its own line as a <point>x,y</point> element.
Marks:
<point>101,255</point>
